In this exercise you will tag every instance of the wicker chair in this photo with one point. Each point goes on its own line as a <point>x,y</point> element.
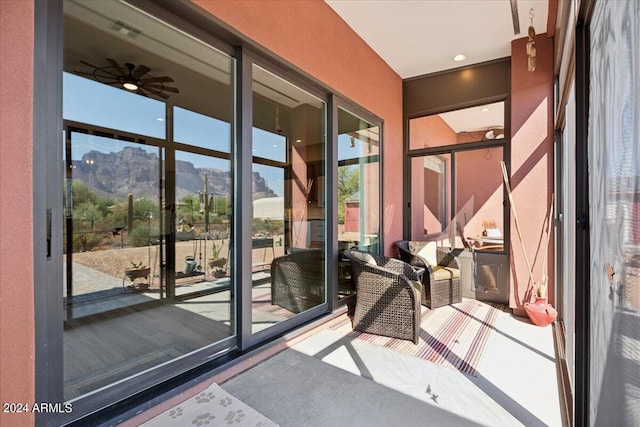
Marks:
<point>441,279</point>
<point>387,295</point>
<point>297,280</point>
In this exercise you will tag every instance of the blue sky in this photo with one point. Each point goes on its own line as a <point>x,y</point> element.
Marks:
<point>87,101</point>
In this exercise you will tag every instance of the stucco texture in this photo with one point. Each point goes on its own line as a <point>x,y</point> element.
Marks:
<point>16,182</point>
<point>531,166</point>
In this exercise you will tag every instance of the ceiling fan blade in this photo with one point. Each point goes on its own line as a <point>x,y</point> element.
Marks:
<point>108,79</point>
<point>86,63</point>
<point>162,88</point>
<point>117,66</point>
<point>83,73</point>
<point>155,92</point>
<point>165,79</point>
<point>97,68</point>
<point>140,71</point>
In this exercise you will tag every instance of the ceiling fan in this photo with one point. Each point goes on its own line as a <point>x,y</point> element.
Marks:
<point>132,78</point>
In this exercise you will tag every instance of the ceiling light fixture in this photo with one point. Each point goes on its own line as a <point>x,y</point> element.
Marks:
<point>130,86</point>
<point>460,57</point>
<point>130,77</point>
<point>130,82</point>
<point>531,45</point>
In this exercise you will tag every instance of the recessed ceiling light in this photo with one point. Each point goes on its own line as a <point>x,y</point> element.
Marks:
<point>484,110</point>
<point>460,57</point>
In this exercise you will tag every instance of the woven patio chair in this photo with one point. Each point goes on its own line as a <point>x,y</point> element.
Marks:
<point>441,278</point>
<point>387,295</point>
<point>297,280</point>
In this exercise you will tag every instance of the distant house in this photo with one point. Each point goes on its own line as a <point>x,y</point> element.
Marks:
<point>352,213</point>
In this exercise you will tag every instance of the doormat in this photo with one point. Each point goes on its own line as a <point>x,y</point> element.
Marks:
<point>453,335</point>
<point>212,407</point>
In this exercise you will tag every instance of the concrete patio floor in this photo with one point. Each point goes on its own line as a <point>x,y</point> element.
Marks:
<point>325,379</point>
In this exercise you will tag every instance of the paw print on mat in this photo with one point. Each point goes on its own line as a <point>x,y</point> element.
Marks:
<point>203,419</point>
<point>225,402</point>
<point>205,397</point>
<point>234,416</point>
<point>175,413</point>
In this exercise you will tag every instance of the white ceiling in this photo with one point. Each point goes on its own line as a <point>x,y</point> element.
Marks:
<point>417,37</point>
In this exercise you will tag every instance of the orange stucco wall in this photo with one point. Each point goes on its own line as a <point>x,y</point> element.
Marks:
<point>531,164</point>
<point>17,335</point>
<point>312,36</point>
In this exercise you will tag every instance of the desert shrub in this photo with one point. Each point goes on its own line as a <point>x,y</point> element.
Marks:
<point>83,242</point>
<point>140,235</point>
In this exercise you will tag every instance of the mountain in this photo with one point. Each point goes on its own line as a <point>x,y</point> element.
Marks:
<point>134,170</point>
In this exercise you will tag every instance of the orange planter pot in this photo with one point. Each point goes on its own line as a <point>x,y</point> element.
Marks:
<point>540,312</point>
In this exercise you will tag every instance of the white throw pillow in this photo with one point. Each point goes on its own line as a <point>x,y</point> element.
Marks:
<point>364,257</point>
<point>428,252</point>
<point>494,233</point>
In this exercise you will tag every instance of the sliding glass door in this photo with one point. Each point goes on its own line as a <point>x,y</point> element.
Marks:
<point>147,196</point>
<point>288,242</point>
<point>457,195</point>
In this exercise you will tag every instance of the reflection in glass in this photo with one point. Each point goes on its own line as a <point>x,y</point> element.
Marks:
<point>202,223</point>
<point>111,107</point>
<point>106,213</point>
<point>288,241</point>
<point>480,123</point>
<point>135,207</point>
<point>479,214</point>
<point>430,196</point>
<point>200,130</point>
<point>358,191</point>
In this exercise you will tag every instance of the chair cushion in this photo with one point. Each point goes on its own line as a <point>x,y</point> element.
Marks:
<point>364,257</point>
<point>445,273</point>
<point>427,252</point>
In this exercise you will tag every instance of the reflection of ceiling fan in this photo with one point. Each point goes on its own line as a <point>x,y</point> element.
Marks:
<point>129,77</point>
<point>494,133</point>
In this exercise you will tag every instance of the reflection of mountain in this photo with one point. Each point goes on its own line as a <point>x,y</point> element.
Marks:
<point>135,171</point>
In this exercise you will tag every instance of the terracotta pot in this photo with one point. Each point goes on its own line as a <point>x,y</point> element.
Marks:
<point>219,262</point>
<point>540,312</point>
<point>137,273</point>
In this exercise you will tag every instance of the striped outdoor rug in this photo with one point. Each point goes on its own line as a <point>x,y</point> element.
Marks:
<point>453,335</point>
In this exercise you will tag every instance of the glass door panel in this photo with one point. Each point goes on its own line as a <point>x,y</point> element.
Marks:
<point>288,241</point>
<point>358,191</point>
<point>479,204</point>
<point>479,219</point>
<point>146,194</point>
<point>202,224</point>
<point>457,200</point>
<point>113,237</point>
<point>431,198</point>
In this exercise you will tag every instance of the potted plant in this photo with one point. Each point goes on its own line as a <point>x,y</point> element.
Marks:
<point>137,271</point>
<point>540,312</point>
<point>215,260</point>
